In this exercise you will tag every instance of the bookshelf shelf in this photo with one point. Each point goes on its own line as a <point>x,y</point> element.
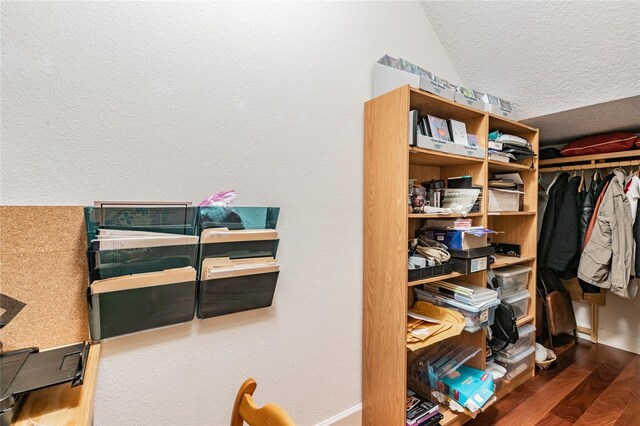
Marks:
<point>427,157</point>
<point>434,279</point>
<point>442,216</point>
<point>525,320</point>
<point>512,213</point>
<point>502,261</point>
<point>499,166</point>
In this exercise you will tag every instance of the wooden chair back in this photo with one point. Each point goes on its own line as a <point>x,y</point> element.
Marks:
<point>245,410</point>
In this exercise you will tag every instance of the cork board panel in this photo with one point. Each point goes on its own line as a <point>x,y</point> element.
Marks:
<point>43,264</point>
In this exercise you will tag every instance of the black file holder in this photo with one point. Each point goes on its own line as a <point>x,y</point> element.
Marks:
<point>237,218</point>
<point>240,249</point>
<point>122,312</point>
<point>224,296</point>
<point>115,263</point>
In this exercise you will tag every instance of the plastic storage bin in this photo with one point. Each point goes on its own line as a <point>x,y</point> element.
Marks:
<point>520,302</point>
<point>525,340</point>
<point>430,271</point>
<point>512,279</point>
<point>517,364</point>
<point>223,296</point>
<point>475,318</point>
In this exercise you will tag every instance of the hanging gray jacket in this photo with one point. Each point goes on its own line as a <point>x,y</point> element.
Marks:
<point>607,257</point>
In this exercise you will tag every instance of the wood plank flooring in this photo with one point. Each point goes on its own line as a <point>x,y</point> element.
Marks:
<point>591,385</point>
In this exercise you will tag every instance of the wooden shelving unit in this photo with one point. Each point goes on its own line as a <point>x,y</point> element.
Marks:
<point>388,164</point>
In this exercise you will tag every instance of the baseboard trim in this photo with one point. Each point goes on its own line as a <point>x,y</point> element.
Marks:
<point>342,418</point>
<point>620,341</point>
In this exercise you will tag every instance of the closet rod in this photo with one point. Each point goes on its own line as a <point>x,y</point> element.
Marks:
<point>611,165</point>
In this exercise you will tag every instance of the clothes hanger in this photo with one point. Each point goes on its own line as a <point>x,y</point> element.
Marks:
<point>555,178</point>
<point>581,187</point>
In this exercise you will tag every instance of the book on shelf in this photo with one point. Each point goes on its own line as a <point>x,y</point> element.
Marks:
<point>503,157</point>
<point>463,292</point>
<point>450,223</point>
<point>420,410</point>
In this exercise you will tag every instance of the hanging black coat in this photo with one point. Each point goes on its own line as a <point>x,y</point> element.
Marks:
<point>550,216</point>
<point>565,242</point>
<point>586,209</point>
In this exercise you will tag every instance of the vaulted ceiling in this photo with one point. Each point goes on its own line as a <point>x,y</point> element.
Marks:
<point>543,56</point>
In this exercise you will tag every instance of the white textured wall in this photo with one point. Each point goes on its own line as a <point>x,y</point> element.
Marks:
<point>544,56</point>
<point>174,101</point>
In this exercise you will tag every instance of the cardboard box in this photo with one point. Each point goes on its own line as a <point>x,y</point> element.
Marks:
<point>470,102</point>
<point>386,79</point>
<point>457,239</point>
<point>497,110</point>
<point>504,200</point>
<point>427,142</point>
<point>470,261</point>
<point>470,387</point>
<point>471,151</point>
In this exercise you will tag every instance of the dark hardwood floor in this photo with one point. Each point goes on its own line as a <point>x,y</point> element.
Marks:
<point>590,385</point>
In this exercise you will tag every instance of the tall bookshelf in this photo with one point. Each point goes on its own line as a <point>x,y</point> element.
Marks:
<point>389,162</point>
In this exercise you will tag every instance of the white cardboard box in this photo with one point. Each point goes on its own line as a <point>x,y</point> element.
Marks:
<point>471,151</point>
<point>427,142</point>
<point>495,109</point>
<point>504,200</point>
<point>386,79</point>
<point>470,102</point>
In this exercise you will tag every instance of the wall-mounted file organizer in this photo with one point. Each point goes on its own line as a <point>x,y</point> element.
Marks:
<point>236,294</point>
<point>148,305</point>
<point>221,296</point>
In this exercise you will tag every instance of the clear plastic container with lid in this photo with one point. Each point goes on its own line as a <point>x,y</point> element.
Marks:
<point>516,364</point>
<point>520,302</point>
<point>475,317</point>
<point>512,279</point>
<point>525,340</point>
